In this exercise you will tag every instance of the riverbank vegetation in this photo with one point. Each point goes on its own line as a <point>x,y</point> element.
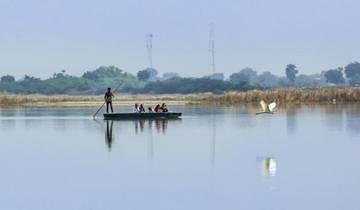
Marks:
<point>148,81</point>
<point>246,86</point>
<point>83,101</point>
<point>281,96</point>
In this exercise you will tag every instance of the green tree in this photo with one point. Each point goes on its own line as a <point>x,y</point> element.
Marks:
<point>191,85</point>
<point>143,75</point>
<point>7,78</point>
<point>246,75</point>
<point>352,69</point>
<point>251,73</point>
<point>335,76</point>
<point>291,71</point>
<point>239,77</point>
<point>148,74</point>
<point>355,80</point>
<point>103,72</point>
<point>267,80</point>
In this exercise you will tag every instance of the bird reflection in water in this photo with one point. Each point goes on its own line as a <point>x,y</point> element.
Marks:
<point>109,134</point>
<point>268,166</point>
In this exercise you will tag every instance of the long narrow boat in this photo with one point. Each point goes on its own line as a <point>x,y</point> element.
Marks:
<point>146,115</point>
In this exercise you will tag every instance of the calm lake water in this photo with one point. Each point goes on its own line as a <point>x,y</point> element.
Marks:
<point>213,158</point>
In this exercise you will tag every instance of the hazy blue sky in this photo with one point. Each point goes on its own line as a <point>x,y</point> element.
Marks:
<point>40,37</point>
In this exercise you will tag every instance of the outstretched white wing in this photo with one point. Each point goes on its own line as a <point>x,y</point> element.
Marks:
<point>272,106</point>
<point>264,106</point>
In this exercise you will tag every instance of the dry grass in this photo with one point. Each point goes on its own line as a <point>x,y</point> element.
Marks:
<point>66,100</point>
<point>298,96</point>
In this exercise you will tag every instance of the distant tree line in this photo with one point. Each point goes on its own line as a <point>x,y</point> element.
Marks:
<point>148,81</point>
<point>91,82</point>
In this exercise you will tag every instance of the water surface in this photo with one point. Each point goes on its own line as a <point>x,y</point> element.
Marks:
<point>213,158</point>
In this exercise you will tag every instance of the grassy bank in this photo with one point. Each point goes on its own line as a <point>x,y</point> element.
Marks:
<point>299,96</point>
<point>83,101</point>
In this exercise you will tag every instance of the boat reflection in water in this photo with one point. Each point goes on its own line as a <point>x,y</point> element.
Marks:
<point>268,166</point>
<point>160,126</point>
<point>109,134</point>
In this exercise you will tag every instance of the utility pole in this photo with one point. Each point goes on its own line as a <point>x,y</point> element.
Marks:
<point>149,38</point>
<point>211,64</point>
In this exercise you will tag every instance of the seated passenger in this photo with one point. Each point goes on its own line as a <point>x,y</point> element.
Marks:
<point>136,108</point>
<point>141,108</point>
<point>150,109</point>
<point>164,108</point>
<point>157,108</point>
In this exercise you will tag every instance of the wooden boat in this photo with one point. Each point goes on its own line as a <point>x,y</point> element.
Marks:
<point>145,115</point>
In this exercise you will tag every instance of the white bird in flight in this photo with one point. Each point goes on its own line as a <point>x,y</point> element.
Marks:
<point>267,108</point>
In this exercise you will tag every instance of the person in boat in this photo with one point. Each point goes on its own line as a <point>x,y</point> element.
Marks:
<point>141,108</point>
<point>164,108</point>
<point>108,100</point>
<point>157,108</point>
<point>150,109</point>
<point>136,108</point>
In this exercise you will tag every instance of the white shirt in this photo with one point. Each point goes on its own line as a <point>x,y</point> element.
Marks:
<point>136,109</point>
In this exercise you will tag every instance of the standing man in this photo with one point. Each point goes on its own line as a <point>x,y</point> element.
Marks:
<point>108,100</point>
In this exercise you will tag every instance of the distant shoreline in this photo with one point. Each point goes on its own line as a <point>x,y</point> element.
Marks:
<point>88,101</point>
<point>297,96</point>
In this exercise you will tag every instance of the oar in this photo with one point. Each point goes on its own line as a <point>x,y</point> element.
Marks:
<point>94,115</point>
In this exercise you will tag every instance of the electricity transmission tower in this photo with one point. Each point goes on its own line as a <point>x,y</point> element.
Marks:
<point>211,64</point>
<point>149,48</point>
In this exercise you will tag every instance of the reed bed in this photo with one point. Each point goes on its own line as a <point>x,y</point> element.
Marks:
<point>297,96</point>
<point>67,100</point>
